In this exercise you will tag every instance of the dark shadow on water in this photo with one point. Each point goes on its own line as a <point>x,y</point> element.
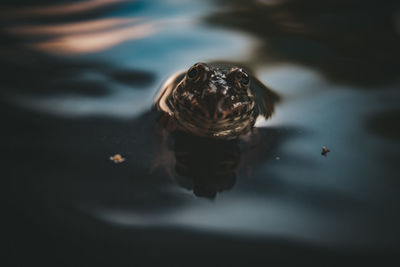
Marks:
<point>206,166</point>
<point>354,42</point>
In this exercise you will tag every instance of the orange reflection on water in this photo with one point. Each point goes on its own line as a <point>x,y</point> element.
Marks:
<point>68,8</point>
<point>71,28</point>
<point>95,41</point>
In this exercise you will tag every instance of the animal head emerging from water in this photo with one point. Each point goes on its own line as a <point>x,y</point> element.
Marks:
<point>215,100</point>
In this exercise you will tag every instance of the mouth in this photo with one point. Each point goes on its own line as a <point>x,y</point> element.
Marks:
<point>213,108</point>
<point>219,118</point>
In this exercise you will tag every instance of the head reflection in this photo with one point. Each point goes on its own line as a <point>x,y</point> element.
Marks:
<point>205,166</point>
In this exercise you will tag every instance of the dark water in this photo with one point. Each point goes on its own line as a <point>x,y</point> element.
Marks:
<point>77,83</point>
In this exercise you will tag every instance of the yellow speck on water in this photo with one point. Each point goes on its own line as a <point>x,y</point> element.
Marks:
<point>117,158</point>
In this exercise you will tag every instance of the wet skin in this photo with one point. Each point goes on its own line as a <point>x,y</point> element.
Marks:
<point>216,100</point>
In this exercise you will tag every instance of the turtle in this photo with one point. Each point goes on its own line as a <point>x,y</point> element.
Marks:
<point>214,100</point>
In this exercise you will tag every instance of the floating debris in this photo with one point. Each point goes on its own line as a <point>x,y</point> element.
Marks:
<point>277,158</point>
<point>117,158</point>
<point>325,151</point>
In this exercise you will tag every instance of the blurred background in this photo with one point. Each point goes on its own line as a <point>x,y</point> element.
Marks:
<point>77,83</point>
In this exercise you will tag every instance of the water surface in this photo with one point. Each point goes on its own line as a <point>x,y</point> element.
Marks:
<point>78,81</point>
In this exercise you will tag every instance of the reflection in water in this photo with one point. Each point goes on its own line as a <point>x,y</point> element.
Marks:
<point>207,166</point>
<point>97,41</point>
<point>68,8</point>
<point>77,37</point>
<point>68,28</point>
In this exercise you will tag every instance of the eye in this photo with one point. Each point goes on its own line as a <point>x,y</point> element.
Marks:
<point>198,72</point>
<point>238,77</point>
<point>244,79</point>
<point>192,72</point>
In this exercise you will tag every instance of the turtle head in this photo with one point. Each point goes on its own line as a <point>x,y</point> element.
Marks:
<point>215,100</point>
